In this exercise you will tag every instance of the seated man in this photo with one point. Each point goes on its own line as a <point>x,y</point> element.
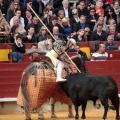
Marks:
<point>18,49</point>
<point>100,54</point>
<point>46,45</point>
<point>110,45</point>
<point>58,50</point>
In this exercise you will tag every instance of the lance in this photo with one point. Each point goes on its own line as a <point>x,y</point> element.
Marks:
<point>53,37</point>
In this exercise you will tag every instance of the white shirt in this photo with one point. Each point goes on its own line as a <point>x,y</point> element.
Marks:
<point>21,22</point>
<point>66,12</point>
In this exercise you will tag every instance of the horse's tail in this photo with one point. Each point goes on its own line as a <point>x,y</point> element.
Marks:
<point>30,70</point>
<point>24,82</point>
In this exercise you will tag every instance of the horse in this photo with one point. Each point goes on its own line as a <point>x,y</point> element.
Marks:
<point>37,79</point>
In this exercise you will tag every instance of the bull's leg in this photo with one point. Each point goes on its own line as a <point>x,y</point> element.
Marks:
<point>104,102</point>
<point>83,110</point>
<point>52,102</point>
<point>115,102</point>
<point>76,110</point>
<point>70,114</point>
<point>40,114</point>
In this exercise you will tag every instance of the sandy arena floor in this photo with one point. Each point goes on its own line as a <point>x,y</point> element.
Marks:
<point>62,115</point>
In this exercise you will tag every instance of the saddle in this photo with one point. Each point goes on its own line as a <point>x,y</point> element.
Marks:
<point>47,60</point>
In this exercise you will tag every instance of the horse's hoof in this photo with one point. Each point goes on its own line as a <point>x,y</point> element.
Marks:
<point>53,116</point>
<point>40,118</point>
<point>70,115</point>
<point>28,119</point>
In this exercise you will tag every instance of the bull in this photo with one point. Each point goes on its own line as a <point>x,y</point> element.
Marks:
<point>81,87</point>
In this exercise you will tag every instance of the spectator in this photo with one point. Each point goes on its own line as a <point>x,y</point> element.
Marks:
<point>13,34</point>
<point>19,3</point>
<point>98,34</point>
<point>29,37</point>
<point>75,18</point>
<point>81,53</point>
<point>101,20</point>
<point>46,45</point>
<point>66,28</point>
<point>4,30</point>
<point>66,8</point>
<point>50,9</point>
<point>92,18</point>
<point>42,35</point>
<point>108,3</point>
<point>27,8</point>
<point>18,49</point>
<point>61,15</point>
<point>56,33</point>
<point>1,16</point>
<point>81,24</point>
<point>16,22</point>
<point>46,17</point>
<point>80,36</point>
<point>82,10</point>
<point>39,7</point>
<point>36,24</point>
<point>32,49</point>
<point>110,45</point>
<point>111,17</point>
<point>87,33</point>
<point>116,8</point>
<point>21,19</point>
<point>11,10</point>
<point>118,27</point>
<point>113,32</point>
<point>100,54</point>
<point>28,18</point>
<point>54,22</point>
<point>99,8</point>
<point>4,6</point>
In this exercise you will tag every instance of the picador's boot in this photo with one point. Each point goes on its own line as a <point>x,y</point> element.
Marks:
<point>70,114</point>
<point>59,73</point>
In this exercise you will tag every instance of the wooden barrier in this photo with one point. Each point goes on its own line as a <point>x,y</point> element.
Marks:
<point>5,48</point>
<point>111,68</point>
<point>113,54</point>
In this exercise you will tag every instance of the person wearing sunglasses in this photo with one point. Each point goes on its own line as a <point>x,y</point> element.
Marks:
<point>111,17</point>
<point>75,18</point>
<point>92,18</point>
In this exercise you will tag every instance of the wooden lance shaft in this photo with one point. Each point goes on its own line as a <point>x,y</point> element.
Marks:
<point>52,36</point>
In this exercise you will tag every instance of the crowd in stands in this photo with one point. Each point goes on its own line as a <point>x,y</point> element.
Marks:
<point>90,20</point>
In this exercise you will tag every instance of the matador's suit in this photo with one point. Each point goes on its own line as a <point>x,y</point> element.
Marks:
<point>58,48</point>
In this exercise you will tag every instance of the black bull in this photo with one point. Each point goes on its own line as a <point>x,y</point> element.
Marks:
<point>81,87</point>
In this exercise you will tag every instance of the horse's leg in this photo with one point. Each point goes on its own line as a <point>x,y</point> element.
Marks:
<point>40,114</point>
<point>52,102</point>
<point>70,114</point>
<point>27,115</point>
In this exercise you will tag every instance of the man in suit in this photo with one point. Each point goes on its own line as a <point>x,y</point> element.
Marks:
<point>81,24</point>
<point>29,37</point>
<point>66,8</point>
<point>56,33</point>
<point>39,7</point>
<point>54,22</point>
<point>99,34</point>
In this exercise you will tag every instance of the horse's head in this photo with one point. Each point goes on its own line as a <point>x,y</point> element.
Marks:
<point>79,63</point>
